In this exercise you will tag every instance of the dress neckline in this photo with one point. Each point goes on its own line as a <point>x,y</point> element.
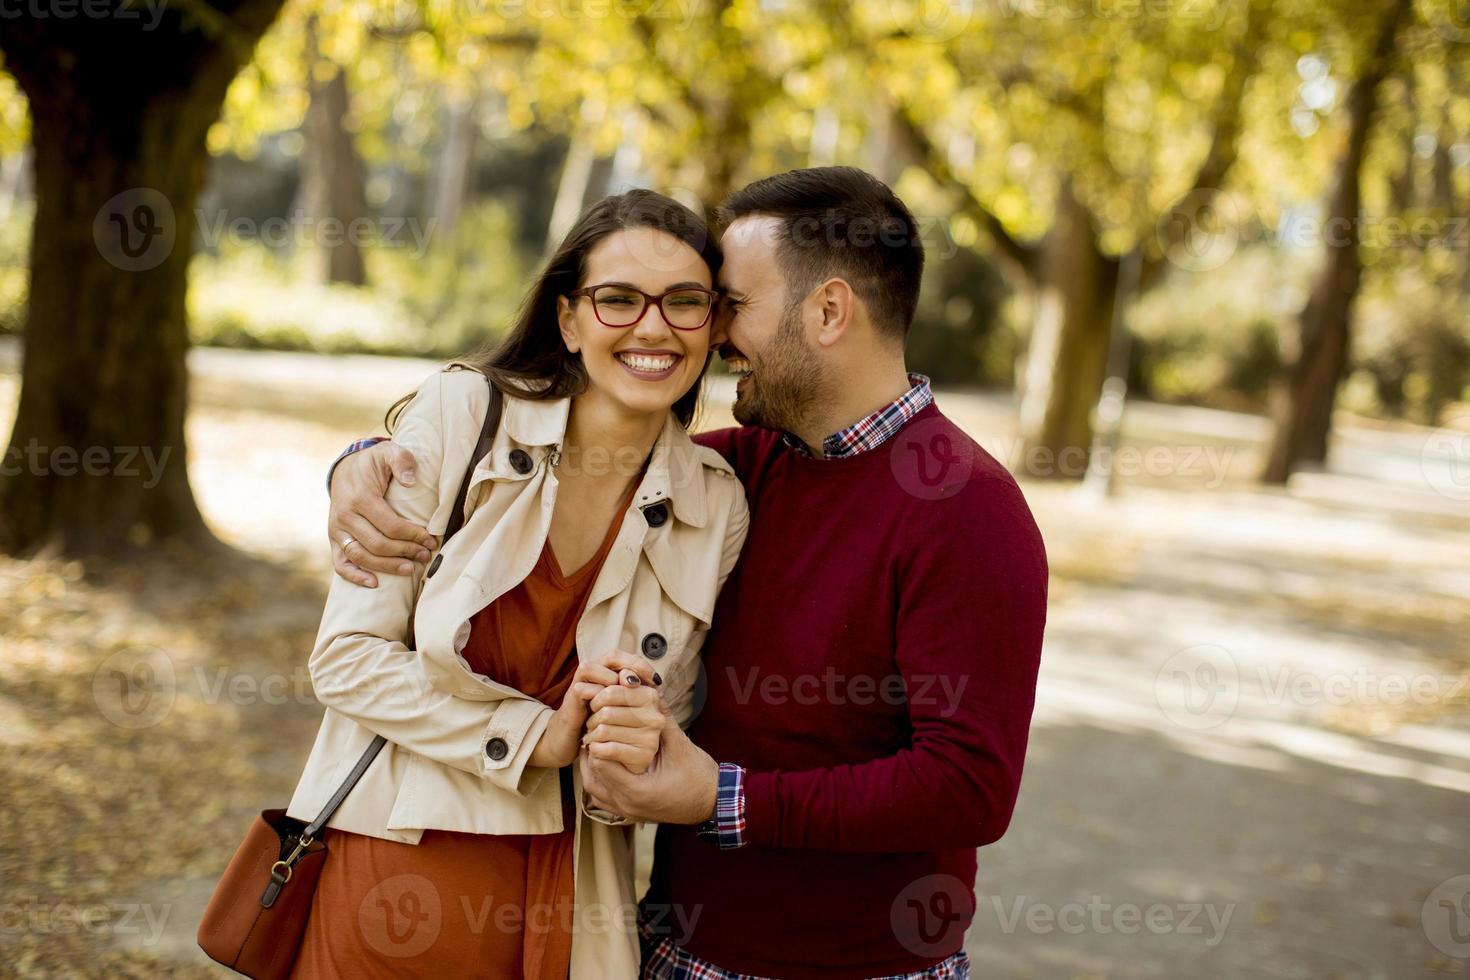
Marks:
<point>553,564</point>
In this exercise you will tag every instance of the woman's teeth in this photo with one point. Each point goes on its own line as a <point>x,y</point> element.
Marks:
<point>652,363</point>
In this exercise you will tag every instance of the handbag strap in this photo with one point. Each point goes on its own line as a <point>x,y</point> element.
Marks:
<point>482,446</point>
<point>456,521</point>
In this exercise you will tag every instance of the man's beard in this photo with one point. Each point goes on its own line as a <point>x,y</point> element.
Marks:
<point>791,386</point>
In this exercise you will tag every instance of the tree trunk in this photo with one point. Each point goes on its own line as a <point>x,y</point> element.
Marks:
<point>1401,190</point>
<point>584,180</point>
<point>334,182</point>
<point>97,458</point>
<point>726,135</point>
<point>455,168</point>
<point>1301,402</point>
<point>1443,172</point>
<point>1068,351</point>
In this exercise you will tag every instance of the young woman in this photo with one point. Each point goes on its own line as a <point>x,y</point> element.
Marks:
<point>596,540</point>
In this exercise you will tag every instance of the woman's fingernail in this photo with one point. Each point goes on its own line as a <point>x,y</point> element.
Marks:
<point>657,679</point>
<point>634,681</point>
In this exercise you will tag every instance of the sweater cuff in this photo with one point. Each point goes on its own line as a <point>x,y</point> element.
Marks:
<point>762,814</point>
<point>727,827</point>
<point>355,447</point>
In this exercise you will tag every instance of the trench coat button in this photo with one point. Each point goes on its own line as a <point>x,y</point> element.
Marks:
<point>520,461</point>
<point>496,748</point>
<point>655,646</point>
<point>434,566</point>
<point>656,515</point>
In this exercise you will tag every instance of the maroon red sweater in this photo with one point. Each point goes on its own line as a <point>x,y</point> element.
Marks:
<point>873,665</point>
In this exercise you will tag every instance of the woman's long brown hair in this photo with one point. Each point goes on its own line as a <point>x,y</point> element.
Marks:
<point>532,360</point>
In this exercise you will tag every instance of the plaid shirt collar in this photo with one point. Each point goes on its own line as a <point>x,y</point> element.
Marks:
<point>872,431</point>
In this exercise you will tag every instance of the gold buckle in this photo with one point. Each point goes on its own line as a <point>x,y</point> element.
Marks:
<point>302,843</point>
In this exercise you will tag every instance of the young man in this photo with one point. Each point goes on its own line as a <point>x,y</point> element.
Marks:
<point>872,664</point>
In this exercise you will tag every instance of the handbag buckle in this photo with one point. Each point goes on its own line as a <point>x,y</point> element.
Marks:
<point>302,843</point>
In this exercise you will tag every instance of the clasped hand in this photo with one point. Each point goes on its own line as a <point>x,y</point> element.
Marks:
<point>613,709</point>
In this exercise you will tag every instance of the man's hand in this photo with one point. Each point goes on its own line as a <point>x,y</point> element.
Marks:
<point>626,726</point>
<point>680,787</point>
<point>563,735</point>
<point>367,536</point>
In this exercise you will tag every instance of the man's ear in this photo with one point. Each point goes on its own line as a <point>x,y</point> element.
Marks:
<point>566,322</point>
<point>835,308</point>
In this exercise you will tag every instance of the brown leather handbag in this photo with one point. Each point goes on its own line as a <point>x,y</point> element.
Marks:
<point>256,918</point>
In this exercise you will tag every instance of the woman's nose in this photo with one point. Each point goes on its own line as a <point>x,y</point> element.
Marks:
<point>651,325</point>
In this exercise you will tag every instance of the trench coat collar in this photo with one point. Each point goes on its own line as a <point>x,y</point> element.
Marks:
<point>675,467</point>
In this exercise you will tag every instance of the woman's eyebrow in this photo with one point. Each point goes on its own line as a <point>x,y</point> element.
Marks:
<point>688,284</point>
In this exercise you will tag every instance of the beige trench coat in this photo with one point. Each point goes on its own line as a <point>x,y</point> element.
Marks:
<point>458,741</point>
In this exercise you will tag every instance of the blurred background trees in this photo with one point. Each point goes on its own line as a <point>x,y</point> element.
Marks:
<point>1257,205</point>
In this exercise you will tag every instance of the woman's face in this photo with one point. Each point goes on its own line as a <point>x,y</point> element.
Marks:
<point>646,366</point>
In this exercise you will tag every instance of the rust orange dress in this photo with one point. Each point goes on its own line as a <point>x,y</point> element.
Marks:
<point>461,904</point>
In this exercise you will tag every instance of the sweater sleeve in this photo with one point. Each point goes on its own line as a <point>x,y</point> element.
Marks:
<point>970,617</point>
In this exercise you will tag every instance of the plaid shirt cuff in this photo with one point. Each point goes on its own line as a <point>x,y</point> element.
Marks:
<point>727,828</point>
<point>355,447</point>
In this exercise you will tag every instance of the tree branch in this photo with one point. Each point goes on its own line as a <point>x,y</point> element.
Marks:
<point>1022,257</point>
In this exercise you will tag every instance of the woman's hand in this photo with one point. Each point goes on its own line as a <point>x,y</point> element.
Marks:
<point>563,735</point>
<point>626,725</point>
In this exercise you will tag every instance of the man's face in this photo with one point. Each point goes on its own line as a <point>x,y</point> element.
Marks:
<point>781,379</point>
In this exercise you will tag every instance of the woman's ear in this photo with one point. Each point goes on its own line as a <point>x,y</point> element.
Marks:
<point>567,322</point>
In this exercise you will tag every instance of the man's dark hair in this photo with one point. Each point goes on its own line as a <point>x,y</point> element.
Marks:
<point>841,221</point>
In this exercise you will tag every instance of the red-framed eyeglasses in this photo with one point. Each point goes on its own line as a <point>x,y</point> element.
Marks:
<point>619,305</point>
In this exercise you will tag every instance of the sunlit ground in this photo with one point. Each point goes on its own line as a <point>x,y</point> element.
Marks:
<point>1251,754</point>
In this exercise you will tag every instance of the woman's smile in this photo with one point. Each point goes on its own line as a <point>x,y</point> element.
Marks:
<point>649,365</point>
